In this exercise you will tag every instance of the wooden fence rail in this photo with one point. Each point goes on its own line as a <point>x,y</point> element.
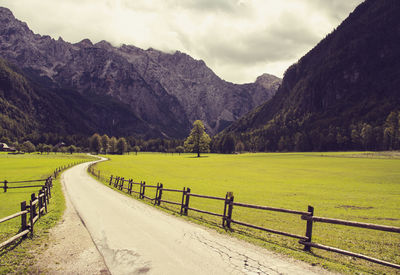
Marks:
<point>55,173</point>
<point>6,184</point>
<point>227,212</point>
<point>354,224</point>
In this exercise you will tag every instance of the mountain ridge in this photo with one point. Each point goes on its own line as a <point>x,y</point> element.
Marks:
<point>167,91</point>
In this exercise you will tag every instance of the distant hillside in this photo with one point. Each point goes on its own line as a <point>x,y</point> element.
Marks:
<point>343,95</point>
<point>166,91</point>
<point>28,107</point>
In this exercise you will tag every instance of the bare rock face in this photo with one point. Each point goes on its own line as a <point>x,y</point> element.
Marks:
<point>269,82</point>
<point>168,91</point>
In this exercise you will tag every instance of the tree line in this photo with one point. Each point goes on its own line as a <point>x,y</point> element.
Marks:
<point>197,142</point>
<point>293,136</point>
<point>273,137</point>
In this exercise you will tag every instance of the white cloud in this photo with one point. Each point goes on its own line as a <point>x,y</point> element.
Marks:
<point>238,39</point>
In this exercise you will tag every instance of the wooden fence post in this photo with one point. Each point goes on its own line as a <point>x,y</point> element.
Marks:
<point>143,189</point>
<point>40,203</point>
<point>183,199</point>
<point>23,217</point>
<point>32,209</point>
<point>130,185</point>
<point>111,178</point>
<point>187,201</point>
<point>309,228</point>
<point>50,185</point>
<point>47,194</point>
<point>45,198</point>
<point>160,194</point>
<point>156,196</point>
<point>116,182</point>
<point>225,208</point>
<point>5,186</point>
<point>121,185</point>
<point>230,209</point>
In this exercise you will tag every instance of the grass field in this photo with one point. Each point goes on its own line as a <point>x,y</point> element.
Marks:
<point>351,186</point>
<point>18,258</point>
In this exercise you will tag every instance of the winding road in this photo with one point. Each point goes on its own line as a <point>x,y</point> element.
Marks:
<point>135,238</point>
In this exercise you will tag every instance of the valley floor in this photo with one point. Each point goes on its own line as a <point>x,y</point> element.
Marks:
<point>136,238</point>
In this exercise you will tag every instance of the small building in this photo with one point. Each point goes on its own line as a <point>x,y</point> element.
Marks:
<point>5,148</point>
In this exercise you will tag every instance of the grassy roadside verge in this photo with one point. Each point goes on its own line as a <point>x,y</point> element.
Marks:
<point>19,257</point>
<point>352,186</point>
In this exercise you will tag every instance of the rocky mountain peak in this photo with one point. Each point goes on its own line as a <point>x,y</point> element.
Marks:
<point>4,12</point>
<point>269,81</point>
<point>104,45</point>
<point>85,43</point>
<point>166,90</point>
<point>10,25</point>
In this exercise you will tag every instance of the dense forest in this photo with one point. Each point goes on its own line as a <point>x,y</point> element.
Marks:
<point>295,137</point>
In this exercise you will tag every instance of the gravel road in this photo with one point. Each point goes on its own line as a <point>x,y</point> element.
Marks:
<point>135,238</point>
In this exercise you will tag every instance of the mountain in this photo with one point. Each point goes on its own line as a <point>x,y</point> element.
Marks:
<point>27,107</point>
<point>166,91</point>
<point>340,95</point>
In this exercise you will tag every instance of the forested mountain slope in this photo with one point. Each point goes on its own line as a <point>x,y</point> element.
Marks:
<point>28,107</point>
<point>343,94</point>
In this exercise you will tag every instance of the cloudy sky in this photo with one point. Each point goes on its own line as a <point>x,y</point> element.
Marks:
<point>238,39</point>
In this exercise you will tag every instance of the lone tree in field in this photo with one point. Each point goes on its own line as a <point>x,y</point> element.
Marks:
<point>198,141</point>
<point>95,143</point>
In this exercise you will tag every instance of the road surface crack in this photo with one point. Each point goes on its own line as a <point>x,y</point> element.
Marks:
<point>239,262</point>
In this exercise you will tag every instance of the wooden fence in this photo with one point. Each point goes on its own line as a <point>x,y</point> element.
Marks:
<point>56,172</point>
<point>37,206</point>
<point>129,186</point>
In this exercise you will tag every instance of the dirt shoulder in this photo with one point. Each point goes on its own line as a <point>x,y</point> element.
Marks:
<point>70,248</point>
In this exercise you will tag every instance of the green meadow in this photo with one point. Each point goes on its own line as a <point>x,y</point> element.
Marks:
<point>18,258</point>
<point>362,187</point>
